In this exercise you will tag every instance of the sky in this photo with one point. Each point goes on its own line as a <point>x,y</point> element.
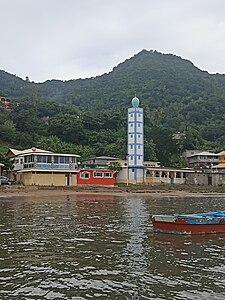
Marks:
<point>71,39</point>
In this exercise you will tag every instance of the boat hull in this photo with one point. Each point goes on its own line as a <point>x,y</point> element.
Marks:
<point>188,225</point>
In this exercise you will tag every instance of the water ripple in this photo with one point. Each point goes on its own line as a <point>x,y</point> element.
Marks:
<point>79,248</point>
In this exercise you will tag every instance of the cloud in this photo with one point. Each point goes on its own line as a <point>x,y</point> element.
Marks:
<point>70,39</point>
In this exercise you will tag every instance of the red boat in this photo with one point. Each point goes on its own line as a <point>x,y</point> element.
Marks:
<point>202,223</point>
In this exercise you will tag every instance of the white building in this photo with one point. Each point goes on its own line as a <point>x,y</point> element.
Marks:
<point>203,159</point>
<point>135,143</point>
<point>40,167</point>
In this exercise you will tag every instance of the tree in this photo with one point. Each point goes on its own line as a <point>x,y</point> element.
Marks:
<point>8,164</point>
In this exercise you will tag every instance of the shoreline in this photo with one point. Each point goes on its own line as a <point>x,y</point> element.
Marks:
<point>143,191</point>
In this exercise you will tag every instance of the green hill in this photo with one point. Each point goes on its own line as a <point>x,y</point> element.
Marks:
<point>176,95</point>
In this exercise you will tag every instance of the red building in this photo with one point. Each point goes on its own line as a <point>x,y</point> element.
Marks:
<point>96,177</point>
<point>5,102</point>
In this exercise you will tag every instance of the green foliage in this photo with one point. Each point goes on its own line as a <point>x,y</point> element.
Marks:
<point>8,164</point>
<point>116,166</point>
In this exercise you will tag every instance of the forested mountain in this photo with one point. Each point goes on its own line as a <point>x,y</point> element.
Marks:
<point>89,115</point>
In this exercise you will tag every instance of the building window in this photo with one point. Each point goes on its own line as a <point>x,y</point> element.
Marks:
<point>131,115</point>
<point>131,146</point>
<point>44,159</point>
<point>64,159</point>
<point>139,125</point>
<point>29,158</point>
<point>85,175</point>
<point>73,159</point>
<point>98,174</point>
<point>131,125</point>
<point>139,147</point>
<point>139,136</point>
<point>56,159</point>
<point>108,175</point>
<point>139,157</point>
<point>131,135</point>
<point>178,175</point>
<point>131,157</point>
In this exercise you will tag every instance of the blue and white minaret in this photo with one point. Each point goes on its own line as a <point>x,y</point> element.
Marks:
<point>135,143</point>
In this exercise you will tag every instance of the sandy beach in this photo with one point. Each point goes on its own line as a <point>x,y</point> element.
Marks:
<point>154,191</point>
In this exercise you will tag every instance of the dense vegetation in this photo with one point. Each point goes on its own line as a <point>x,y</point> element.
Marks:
<point>88,116</point>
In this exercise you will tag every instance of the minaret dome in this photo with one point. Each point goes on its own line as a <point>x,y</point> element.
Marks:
<point>135,102</point>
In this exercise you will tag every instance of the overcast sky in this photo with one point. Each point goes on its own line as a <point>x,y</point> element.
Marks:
<point>70,39</point>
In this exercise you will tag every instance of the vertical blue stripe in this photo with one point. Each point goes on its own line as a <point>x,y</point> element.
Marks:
<point>135,144</point>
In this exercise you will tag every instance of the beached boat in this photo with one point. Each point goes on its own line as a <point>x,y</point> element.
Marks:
<point>201,223</point>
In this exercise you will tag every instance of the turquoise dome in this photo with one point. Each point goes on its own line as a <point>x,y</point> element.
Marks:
<point>135,102</point>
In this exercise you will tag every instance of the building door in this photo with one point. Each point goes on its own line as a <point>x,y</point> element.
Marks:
<point>209,179</point>
<point>67,179</point>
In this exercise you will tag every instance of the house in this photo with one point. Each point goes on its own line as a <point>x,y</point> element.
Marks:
<point>169,175</point>
<point>213,175</point>
<point>220,167</point>
<point>188,153</point>
<point>98,162</point>
<point>151,164</point>
<point>96,177</point>
<point>201,160</point>
<point>5,102</point>
<point>221,156</point>
<point>40,167</point>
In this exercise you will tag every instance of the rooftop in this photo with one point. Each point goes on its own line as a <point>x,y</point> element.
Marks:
<point>204,153</point>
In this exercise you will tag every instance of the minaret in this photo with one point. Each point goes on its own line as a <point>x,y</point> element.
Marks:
<point>135,143</point>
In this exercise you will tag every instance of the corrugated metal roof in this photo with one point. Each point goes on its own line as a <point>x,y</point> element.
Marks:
<point>30,150</point>
<point>206,153</point>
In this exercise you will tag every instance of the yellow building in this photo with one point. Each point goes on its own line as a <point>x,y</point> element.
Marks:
<point>221,157</point>
<point>40,167</point>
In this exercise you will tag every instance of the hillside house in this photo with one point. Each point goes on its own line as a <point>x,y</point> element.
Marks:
<point>5,102</point>
<point>202,160</point>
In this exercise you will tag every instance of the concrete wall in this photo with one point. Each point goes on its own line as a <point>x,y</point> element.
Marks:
<point>197,178</point>
<point>218,179</point>
<point>48,179</point>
